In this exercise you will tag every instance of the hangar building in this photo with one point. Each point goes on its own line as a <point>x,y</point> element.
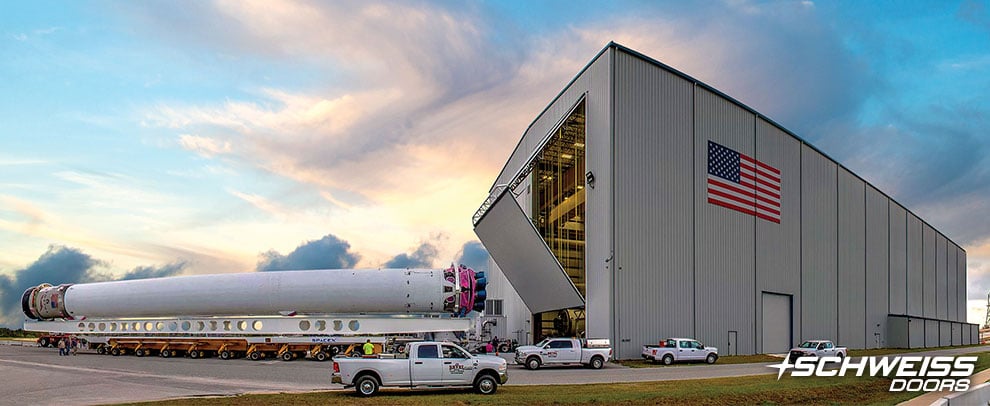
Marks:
<point>643,204</point>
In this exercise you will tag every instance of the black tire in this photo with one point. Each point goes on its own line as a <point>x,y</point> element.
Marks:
<point>711,358</point>
<point>166,353</point>
<point>115,352</point>
<point>485,384</point>
<point>287,356</point>
<point>532,363</point>
<point>194,354</point>
<point>366,385</point>
<point>101,350</point>
<point>254,355</point>
<point>225,354</point>
<point>334,351</point>
<point>321,356</point>
<point>45,342</point>
<point>504,347</point>
<point>668,359</point>
<point>596,363</point>
<point>139,352</point>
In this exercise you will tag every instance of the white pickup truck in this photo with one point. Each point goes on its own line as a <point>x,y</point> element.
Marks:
<point>423,364</point>
<point>816,349</point>
<point>592,352</point>
<point>680,349</point>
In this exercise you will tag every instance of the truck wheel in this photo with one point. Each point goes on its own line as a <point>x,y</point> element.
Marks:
<point>254,355</point>
<point>193,354</point>
<point>224,354</point>
<point>44,342</point>
<point>287,356</point>
<point>115,352</point>
<point>597,363</point>
<point>711,358</point>
<point>668,359</point>
<point>320,356</point>
<point>334,351</point>
<point>485,384</point>
<point>504,347</point>
<point>166,353</point>
<point>101,350</point>
<point>533,363</point>
<point>139,352</point>
<point>366,385</point>
<point>842,357</point>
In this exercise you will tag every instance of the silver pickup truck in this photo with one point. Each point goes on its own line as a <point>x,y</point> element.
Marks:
<point>593,352</point>
<point>680,349</point>
<point>423,364</point>
<point>816,349</point>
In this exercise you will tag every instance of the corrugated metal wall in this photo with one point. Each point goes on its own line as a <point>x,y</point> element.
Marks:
<point>898,259</point>
<point>818,246</point>
<point>950,288</point>
<point>928,270</point>
<point>941,289</point>
<point>931,333</point>
<point>723,253</point>
<point>778,246</point>
<point>915,275</point>
<point>917,331</point>
<point>944,333</point>
<point>957,329</point>
<point>654,196</point>
<point>598,204</point>
<point>851,260</point>
<point>961,284</point>
<point>877,267</point>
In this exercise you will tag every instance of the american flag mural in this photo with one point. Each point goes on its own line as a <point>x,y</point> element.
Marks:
<point>739,182</point>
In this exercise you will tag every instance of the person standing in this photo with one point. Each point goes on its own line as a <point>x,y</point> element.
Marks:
<point>369,348</point>
<point>75,345</point>
<point>61,347</point>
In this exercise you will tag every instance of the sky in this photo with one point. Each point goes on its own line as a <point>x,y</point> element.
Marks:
<point>157,138</point>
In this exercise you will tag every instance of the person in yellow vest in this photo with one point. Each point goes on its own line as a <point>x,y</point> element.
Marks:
<point>369,348</point>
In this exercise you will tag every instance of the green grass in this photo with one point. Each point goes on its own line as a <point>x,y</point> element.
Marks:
<point>728,359</point>
<point>888,351</point>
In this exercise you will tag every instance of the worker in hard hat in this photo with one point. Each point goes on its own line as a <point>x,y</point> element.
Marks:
<point>369,348</point>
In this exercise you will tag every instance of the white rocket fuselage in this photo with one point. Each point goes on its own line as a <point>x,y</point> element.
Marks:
<point>344,291</point>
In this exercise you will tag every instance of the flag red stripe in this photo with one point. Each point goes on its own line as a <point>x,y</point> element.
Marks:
<point>768,192</point>
<point>721,194</point>
<point>732,206</point>
<point>769,209</point>
<point>768,218</point>
<point>731,187</point>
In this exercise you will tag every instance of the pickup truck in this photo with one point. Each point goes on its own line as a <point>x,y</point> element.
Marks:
<point>816,349</point>
<point>423,364</point>
<point>680,349</point>
<point>593,352</point>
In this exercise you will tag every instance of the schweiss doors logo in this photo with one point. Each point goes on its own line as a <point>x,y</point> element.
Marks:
<point>911,374</point>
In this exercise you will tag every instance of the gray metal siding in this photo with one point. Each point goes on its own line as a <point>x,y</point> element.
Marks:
<point>931,333</point>
<point>818,246</point>
<point>968,336</point>
<point>654,242</point>
<point>778,246</point>
<point>917,332</point>
<point>944,334</point>
<point>957,329</point>
<point>898,259</point>
<point>898,332</point>
<point>598,206</point>
<point>928,270</point>
<point>724,238</point>
<point>961,295</point>
<point>951,286</point>
<point>941,289</point>
<point>877,267</point>
<point>775,331</point>
<point>915,275</point>
<point>851,260</point>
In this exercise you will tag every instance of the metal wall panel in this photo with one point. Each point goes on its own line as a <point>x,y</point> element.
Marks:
<point>776,331</point>
<point>961,278</point>
<point>778,246</point>
<point>724,239</point>
<point>654,202</point>
<point>598,206</point>
<point>915,275</point>
<point>917,328</point>
<point>877,267</point>
<point>951,286</point>
<point>941,287</point>
<point>931,333</point>
<point>957,329</point>
<point>944,333</point>
<point>968,337</point>
<point>898,332</point>
<point>928,270</point>
<point>818,246</point>
<point>851,260</point>
<point>898,259</point>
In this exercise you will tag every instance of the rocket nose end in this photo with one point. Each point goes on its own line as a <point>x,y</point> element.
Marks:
<point>26,304</point>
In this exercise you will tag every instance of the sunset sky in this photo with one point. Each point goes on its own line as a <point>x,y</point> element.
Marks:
<point>157,138</point>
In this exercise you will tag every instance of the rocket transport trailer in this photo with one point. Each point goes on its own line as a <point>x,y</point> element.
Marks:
<point>286,314</point>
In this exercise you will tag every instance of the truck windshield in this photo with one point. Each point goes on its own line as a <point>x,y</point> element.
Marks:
<point>542,343</point>
<point>808,344</point>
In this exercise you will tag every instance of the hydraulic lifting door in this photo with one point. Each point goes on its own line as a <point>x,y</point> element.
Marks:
<point>776,323</point>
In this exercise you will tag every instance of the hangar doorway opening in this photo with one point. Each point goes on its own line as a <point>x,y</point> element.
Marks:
<point>776,323</point>
<point>558,206</point>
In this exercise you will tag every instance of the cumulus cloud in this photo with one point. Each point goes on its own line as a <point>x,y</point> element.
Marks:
<point>423,257</point>
<point>60,265</point>
<point>328,252</point>
<point>474,256</point>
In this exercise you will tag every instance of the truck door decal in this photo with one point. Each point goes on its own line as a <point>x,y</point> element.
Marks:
<point>457,369</point>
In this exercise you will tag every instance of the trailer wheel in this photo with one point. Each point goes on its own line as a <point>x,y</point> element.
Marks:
<point>711,358</point>
<point>287,356</point>
<point>485,384</point>
<point>533,363</point>
<point>334,351</point>
<point>115,352</point>
<point>166,353</point>
<point>44,342</point>
<point>597,363</point>
<point>139,352</point>
<point>366,385</point>
<point>504,347</point>
<point>668,359</point>
<point>320,356</point>
<point>224,354</point>
<point>193,354</point>
<point>254,355</point>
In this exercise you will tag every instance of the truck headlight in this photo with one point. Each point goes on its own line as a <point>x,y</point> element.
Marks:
<point>502,367</point>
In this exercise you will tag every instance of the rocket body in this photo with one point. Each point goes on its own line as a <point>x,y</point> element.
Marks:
<point>342,291</point>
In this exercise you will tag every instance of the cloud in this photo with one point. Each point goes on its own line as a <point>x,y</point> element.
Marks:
<point>146,272</point>
<point>328,252</point>
<point>474,256</point>
<point>423,257</point>
<point>206,147</point>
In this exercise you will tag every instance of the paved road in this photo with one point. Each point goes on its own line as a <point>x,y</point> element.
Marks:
<point>33,375</point>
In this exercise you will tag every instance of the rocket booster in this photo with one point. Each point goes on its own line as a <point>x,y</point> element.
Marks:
<point>456,290</point>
